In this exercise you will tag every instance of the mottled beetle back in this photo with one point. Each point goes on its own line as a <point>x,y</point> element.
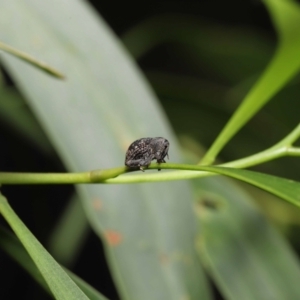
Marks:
<point>141,152</point>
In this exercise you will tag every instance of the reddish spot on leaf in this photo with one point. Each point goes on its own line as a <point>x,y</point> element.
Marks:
<point>113,238</point>
<point>163,258</point>
<point>97,204</point>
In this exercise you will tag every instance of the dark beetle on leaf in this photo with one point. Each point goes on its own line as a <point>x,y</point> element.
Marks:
<point>141,152</point>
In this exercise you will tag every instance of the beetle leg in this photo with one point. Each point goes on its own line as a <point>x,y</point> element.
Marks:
<point>145,162</point>
<point>141,163</point>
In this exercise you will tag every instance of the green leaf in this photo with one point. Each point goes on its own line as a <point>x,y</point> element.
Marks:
<point>31,60</point>
<point>70,233</point>
<point>286,189</point>
<point>246,258</point>
<point>15,114</point>
<point>197,43</point>
<point>92,117</point>
<point>283,67</point>
<point>12,246</point>
<point>61,285</point>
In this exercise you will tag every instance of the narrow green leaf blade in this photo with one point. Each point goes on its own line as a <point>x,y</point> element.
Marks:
<point>31,60</point>
<point>284,65</point>
<point>286,189</point>
<point>61,285</point>
<point>12,246</point>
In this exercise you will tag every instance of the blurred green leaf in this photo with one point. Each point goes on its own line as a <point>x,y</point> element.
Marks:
<point>286,189</point>
<point>226,53</point>
<point>1,79</point>
<point>92,117</point>
<point>60,284</point>
<point>31,60</point>
<point>246,258</point>
<point>284,65</point>
<point>70,233</point>
<point>14,248</point>
<point>15,113</point>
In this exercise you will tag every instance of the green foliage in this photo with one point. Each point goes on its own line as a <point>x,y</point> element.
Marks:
<point>149,230</point>
<point>59,282</point>
<point>284,65</point>
<point>36,260</point>
<point>244,255</point>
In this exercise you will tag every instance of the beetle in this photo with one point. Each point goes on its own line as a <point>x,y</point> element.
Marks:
<point>141,152</point>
